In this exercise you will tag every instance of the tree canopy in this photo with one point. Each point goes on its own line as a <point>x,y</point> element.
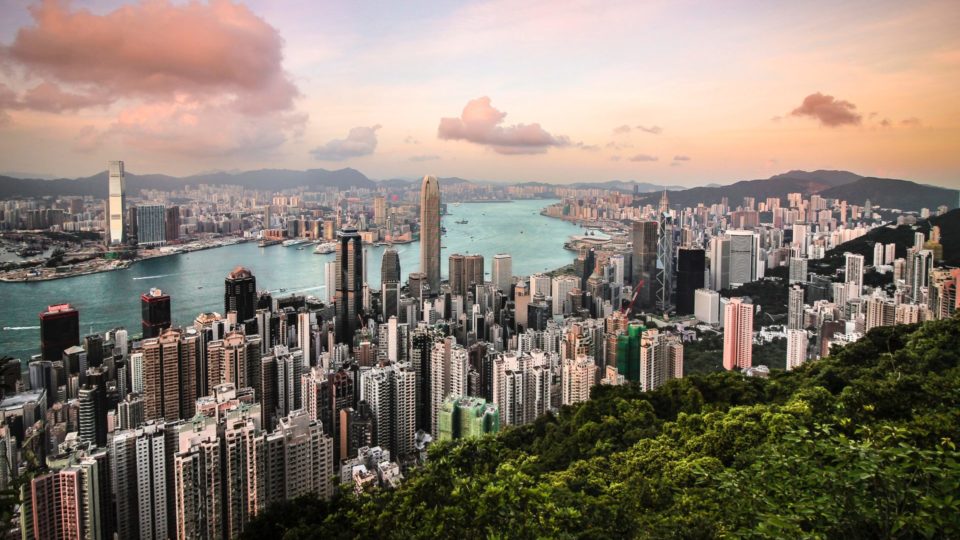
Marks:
<point>859,444</point>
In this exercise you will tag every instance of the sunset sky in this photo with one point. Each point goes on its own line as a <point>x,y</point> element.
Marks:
<point>670,92</point>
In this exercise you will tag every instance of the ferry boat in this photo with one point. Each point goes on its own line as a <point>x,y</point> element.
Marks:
<point>293,242</point>
<point>461,222</point>
<point>264,242</point>
<point>325,248</point>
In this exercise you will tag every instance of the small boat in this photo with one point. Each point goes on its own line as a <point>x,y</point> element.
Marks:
<point>461,222</point>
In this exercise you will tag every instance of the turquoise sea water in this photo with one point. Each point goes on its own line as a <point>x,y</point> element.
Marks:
<point>195,280</point>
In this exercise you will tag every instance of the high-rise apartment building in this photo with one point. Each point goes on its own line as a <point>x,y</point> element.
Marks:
<point>116,200</point>
<point>391,394</point>
<point>797,343</point>
<point>798,270</point>
<point>430,232</point>
<point>577,376</point>
<point>795,308</point>
<point>349,285</point>
<point>737,335</point>
<point>169,375</point>
<point>853,274</point>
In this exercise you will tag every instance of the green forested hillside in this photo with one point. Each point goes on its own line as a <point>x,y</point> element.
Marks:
<point>857,445</point>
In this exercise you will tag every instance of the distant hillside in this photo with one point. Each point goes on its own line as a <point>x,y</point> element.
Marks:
<point>266,179</point>
<point>902,237</point>
<point>775,186</point>
<point>890,193</point>
<point>625,185</point>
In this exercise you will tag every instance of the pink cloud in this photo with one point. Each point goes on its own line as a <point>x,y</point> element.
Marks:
<point>480,123</point>
<point>653,130</point>
<point>177,70</point>
<point>361,141</point>
<point>831,112</point>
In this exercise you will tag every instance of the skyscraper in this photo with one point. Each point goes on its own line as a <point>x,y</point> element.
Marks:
<point>349,285</point>
<point>390,283</point>
<point>719,263</point>
<point>853,274</point>
<point>151,225</point>
<point>502,272</point>
<point>737,335</point>
<point>645,263</point>
<point>664,288</point>
<point>430,232</point>
<point>117,196</point>
<point>744,251</point>
<point>577,376</point>
<point>154,312</point>
<point>330,280</point>
<point>240,293</point>
<point>795,311</point>
<point>59,330</point>
<point>796,348</point>
<point>691,264</point>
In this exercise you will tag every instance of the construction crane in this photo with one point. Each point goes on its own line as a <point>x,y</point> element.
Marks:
<point>629,307</point>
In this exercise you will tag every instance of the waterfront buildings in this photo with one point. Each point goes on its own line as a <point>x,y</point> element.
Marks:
<point>151,225</point>
<point>502,272</point>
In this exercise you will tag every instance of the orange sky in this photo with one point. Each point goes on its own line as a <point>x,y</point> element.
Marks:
<point>667,92</point>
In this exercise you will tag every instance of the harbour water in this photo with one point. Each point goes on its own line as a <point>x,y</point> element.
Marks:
<point>195,280</point>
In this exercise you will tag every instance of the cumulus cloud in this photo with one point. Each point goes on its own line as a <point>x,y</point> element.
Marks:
<point>361,141</point>
<point>481,123</point>
<point>219,61</point>
<point>681,158</point>
<point>643,157</point>
<point>621,129</point>
<point>88,139</point>
<point>911,122</point>
<point>831,112</point>
<point>653,130</point>
<point>425,157</point>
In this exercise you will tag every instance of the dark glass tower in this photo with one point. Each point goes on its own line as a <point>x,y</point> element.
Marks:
<point>645,263</point>
<point>691,264</point>
<point>240,293</point>
<point>390,283</point>
<point>349,285</point>
<point>154,312</point>
<point>59,330</point>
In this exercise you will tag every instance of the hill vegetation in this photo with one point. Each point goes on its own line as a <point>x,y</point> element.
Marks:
<point>857,445</point>
<point>890,193</point>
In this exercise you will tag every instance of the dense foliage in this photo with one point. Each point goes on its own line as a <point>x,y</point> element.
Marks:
<point>856,445</point>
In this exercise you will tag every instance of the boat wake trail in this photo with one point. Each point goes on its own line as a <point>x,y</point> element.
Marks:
<point>11,328</point>
<point>152,277</point>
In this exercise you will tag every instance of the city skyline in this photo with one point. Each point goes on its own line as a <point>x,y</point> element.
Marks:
<point>798,87</point>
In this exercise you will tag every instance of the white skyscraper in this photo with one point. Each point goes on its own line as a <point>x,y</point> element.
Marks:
<point>502,274</point>
<point>795,308</point>
<point>330,279</point>
<point>576,378</point>
<point>853,275</point>
<point>706,306</point>
<point>796,348</point>
<point>117,197</point>
<point>878,254</point>
<point>719,263</point>
<point>618,264</point>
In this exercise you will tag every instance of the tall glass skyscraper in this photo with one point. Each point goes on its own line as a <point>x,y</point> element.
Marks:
<point>349,284</point>
<point>116,229</point>
<point>430,232</point>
